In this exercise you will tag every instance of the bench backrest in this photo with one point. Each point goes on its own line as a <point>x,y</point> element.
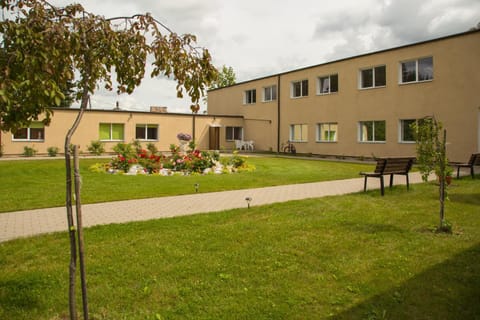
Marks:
<point>394,165</point>
<point>474,159</point>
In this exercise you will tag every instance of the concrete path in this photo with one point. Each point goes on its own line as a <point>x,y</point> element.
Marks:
<point>33,222</point>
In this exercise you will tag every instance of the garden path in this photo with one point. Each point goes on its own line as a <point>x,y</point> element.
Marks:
<point>34,222</point>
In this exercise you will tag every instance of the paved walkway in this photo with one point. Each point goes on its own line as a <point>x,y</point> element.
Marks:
<point>33,222</point>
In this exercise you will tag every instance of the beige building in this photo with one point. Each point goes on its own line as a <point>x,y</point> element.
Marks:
<point>360,106</point>
<point>363,106</point>
<point>112,127</point>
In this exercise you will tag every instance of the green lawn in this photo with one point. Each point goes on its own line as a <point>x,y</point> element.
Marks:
<point>360,256</point>
<point>41,183</point>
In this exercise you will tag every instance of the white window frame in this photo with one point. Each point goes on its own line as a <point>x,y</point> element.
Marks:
<point>271,92</point>
<point>250,96</point>
<point>361,135</point>
<point>146,126</point>
<point>303,89</point>
<point>417,63</point>
<point>233,135</point>
<point>401,127</point>
<point>320,131</point>
<point>360,77</point>
<point>320,81</point>
<point>303,132</point>
<point>29,133</point>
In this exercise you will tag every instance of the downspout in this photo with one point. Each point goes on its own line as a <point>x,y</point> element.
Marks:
<point>278,113</point>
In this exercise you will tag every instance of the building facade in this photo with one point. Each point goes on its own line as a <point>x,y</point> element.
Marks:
<point>111,127</point>
<point>363,106</point>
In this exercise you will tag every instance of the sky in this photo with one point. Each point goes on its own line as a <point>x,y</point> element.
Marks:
<point>259,38</point>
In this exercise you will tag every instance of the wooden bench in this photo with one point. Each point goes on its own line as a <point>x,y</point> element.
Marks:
<point>474,161</point>
<point>389,166</point>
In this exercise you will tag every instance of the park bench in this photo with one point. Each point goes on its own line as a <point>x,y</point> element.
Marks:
<point>474,161</point>
<point>389,166</point>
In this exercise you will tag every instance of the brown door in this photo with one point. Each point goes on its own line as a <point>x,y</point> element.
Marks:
<point>214,138</point>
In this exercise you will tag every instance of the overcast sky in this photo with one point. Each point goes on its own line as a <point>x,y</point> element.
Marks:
<point>262,37</point>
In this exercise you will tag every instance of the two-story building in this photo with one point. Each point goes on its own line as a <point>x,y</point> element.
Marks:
<point>363,106</point>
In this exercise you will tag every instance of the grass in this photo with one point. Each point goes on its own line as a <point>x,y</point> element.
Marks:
<point>41,184</point>
<point>359,256</point>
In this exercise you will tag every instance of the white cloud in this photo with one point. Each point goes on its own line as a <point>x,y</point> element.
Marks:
<point>259,38</point>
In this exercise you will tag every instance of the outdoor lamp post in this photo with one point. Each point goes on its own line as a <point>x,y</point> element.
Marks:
<point>248,199</point>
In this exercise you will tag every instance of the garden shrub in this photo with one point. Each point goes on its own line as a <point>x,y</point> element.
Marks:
<point>29,151</point>
<point>96,147</point>
<point>52,151</point>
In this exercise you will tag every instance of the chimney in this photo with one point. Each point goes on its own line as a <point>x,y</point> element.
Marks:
<point>158,109</point>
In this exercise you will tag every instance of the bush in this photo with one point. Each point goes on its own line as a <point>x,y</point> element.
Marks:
<point>96,147</point>
<point>52,151</point>
<point>152,148</point>
<point>29,151</point>
<point>124,149</point>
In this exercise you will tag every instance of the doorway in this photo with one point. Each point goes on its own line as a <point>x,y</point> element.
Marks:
<point>214,138</point>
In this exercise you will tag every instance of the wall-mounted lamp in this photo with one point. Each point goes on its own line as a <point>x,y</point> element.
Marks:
<point>248,199</point>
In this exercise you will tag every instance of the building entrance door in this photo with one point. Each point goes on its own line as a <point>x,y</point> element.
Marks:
<point>214,138</point>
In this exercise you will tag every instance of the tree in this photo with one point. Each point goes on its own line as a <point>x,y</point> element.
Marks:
<point>226,77</point>
<point>432,157</point>
<point>47,51</point>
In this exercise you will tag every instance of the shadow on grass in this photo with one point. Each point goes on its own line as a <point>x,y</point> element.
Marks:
<point>20,294</point>
<point>450,290</point>
<point>472,198</point>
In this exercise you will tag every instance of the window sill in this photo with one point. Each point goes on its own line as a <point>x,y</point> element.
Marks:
<point>372,142</point>
<point>28,140</point>
<point>320,141</point>
<point>327,93</point>
<point>372,88</point>
<point>414,82</point>
<point>406,142</point>
<point>301,97</point>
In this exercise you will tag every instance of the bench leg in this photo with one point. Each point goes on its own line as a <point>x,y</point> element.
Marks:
<point>391,181</point>
<point>458,172</point>
<point>382,187</point>
<point>472,173</point>
<point>365,184</point>
<point>408,182</point>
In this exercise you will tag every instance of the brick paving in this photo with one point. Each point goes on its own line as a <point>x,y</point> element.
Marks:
<point>40,221</point>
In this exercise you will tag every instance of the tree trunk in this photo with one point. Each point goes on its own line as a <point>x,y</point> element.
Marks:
<point>71,231</point>
<point>71,225</point>
<point>443,166</point>
<point>78,205</point>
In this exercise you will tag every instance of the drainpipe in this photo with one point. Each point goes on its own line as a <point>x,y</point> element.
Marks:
<point>278,113</point>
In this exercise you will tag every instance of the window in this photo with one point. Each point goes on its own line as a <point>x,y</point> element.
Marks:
<point>416,70</point>
<point>298,132</point>
<point>373,77</point>
<point>111,131</point>
<point>234,133</point>
<point>327,132</point>
<point>146,132</point>
<point>270,93</point>
<point>328,84</point>
<point>250,96</point>
<point>35,132</point>
<point>407,133</point>
<point>372,131</point>
<point>299,89</point>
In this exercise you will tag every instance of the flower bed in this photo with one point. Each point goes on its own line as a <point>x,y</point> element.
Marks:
<point>132,159</point>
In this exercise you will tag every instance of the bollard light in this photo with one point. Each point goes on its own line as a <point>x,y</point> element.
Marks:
<point>248,199</point>
<point>196,185</point>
